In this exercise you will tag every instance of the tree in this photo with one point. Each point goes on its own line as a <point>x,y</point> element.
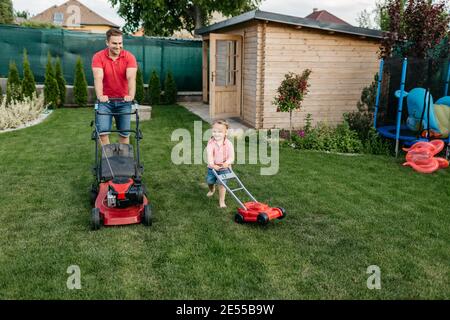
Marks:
<point>28,82</point>
<point>13,74</point>
<point>378,18</point>
<point>80,91</point>
<point>22,14</point>
<point>154,89</point>
<point>6,12</point>
<point>364,19</point>
<point>170,89</point>
<point>291,92</point>
<point>61,82</point>
<point>13,85</point>
<point>140,95</point>
<point>163,17</point>
<point>51,90</point>
<point>416,28</point>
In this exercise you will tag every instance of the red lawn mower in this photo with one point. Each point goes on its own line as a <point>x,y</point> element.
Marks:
<point>118,195</point>
<point>253,211</point>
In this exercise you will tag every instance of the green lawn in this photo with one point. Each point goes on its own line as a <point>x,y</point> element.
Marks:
<point>345,213</point>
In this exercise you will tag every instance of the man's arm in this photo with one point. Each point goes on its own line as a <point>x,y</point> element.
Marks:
<point>98,84</point>
<point>131,78</point>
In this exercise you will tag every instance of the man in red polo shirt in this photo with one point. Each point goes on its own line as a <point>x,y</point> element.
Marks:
<point>115,85</point>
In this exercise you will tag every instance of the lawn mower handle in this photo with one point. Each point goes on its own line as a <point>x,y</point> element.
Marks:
<point>134,102</point>
<point>115,114</point>
<point>117,99</point>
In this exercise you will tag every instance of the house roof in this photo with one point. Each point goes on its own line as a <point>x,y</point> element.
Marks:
<point>325,16</point>
<point>291,20</point>
<point>88,17</point>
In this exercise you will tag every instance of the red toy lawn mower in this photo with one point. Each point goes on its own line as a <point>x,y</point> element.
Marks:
<point>253,211</point>
<point>118,195</point>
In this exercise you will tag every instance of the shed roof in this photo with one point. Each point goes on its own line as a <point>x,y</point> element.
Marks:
<point>291,20</point>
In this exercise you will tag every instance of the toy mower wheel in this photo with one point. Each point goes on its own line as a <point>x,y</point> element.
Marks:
<point>263,218</point>
<point>283,213</point>
<point>239,218</point>
<point>147,216</point>
<point>95,219</point>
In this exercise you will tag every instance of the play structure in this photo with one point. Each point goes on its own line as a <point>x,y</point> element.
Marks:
<point>252,211</point>
<point>415,83</point>
<point>118,195</point>
<point>421,156</point>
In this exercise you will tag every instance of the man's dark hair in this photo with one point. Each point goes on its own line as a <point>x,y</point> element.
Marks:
<point>113,32</point>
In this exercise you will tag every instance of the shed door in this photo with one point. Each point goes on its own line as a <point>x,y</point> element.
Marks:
<point>225,75</point>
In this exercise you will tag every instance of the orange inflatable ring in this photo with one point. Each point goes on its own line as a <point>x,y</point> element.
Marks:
<point>421,156</point>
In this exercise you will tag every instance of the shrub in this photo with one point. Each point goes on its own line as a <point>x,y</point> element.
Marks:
<point>140,95</point>
<point>13,86</point>
<point>39,25</point>
<point>20,112</point>
<point>1,94</point>
<point>28,82</point>
<point>80,90</point>
<point>361,120</point>
<point>291,93</point>
<point>154,89</point>
<point>375,144</point>
<point>59,76</point>
<point>51,90</point>
<point>326,138</point>
<point>170,89</point>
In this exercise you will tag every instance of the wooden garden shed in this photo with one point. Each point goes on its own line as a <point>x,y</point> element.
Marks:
<point>246,57</point>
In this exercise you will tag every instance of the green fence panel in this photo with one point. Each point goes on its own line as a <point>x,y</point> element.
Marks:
<point>182,57</point>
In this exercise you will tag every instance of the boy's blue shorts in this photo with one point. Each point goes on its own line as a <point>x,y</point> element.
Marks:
<point>211,178</point>
<point>104,122</point>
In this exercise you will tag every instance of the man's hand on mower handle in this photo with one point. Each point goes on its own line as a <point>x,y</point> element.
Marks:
<point>103,99</point>
<point>128,99</point>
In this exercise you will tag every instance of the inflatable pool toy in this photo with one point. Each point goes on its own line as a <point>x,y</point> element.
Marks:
<point>438,113</point>
<point>421,156</point>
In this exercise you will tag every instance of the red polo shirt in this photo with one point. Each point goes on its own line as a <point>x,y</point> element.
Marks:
<point>115,84</point>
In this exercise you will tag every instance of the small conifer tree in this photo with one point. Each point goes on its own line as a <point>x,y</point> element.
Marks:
<point>140,96</point>
<point>28,82</point>
<point>51,90</point>
<point>170,89</point>
<point>154,89</point>
<point>80,90</point>
<point>61,82</point>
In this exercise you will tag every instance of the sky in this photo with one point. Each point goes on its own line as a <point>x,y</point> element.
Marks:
<point>347,10</point>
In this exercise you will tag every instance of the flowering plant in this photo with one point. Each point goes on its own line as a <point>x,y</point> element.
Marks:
<point>20,112</point>
<point>291,93</point>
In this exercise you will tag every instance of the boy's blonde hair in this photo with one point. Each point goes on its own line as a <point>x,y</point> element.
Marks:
<point>222,122</point>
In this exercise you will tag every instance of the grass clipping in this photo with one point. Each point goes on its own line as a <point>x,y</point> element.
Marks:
<point>18,113</point>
